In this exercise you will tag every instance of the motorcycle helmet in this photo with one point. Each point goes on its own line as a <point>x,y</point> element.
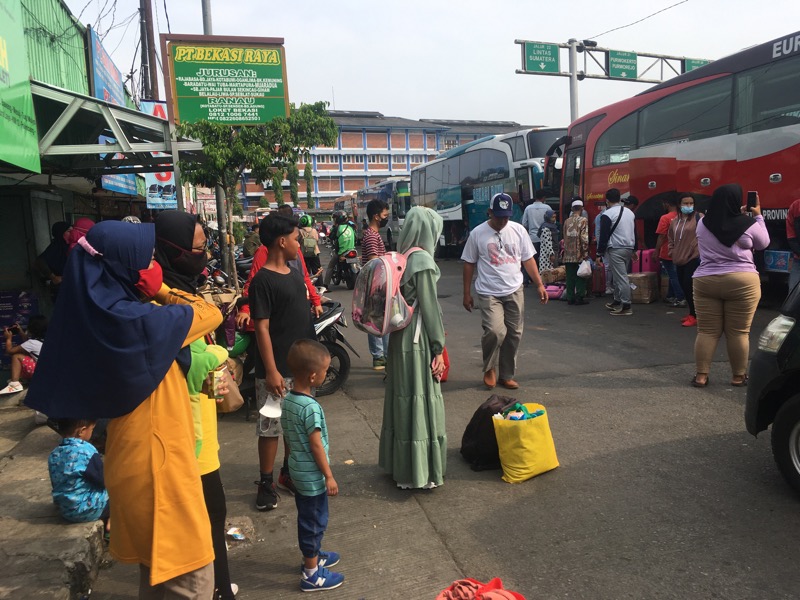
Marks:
<point>340,217</point>
<point>306,221</point>
<point>131,219</point>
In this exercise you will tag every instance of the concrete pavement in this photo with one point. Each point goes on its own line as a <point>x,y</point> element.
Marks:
<point>660,494</point>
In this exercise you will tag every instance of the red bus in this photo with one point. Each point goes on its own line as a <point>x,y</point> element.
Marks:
<point>735,120</point>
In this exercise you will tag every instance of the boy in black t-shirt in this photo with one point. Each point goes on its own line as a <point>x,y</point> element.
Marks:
<point>281,311</point>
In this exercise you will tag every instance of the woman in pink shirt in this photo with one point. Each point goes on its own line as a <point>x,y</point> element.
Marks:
<point>727,287</point>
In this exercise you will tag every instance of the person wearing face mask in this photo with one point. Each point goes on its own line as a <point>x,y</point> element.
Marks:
<point>372,247</point>
<point>130,369</point>
<point>180,250</point>
<point>682,238</point>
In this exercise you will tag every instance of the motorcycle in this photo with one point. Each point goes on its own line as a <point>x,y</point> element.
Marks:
<point>326,328</point>
<point>346,269</point>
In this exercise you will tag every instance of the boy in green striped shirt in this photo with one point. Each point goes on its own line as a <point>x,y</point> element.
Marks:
<point>304,428</point>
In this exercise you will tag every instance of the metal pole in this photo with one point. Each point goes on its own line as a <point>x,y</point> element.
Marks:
<point>573,79</point>
<point>151,50</point>
<point>222,225</point>
<point>145,38</point>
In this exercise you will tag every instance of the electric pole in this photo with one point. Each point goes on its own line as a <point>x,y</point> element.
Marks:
<point>151,49</point>
<point>222,216</point>
<point>145,25</point>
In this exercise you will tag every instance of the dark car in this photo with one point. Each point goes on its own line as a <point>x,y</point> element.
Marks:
<point>773,390</point>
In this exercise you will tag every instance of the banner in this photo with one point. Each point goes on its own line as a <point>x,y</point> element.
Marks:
<point>161,192</point>
<point>19,140</point>
<point>107,85</point>
<point>227,80</point>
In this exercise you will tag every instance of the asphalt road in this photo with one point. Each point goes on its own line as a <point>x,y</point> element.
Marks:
<point>660,494</point>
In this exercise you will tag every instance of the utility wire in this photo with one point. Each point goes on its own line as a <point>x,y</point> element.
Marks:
<point>594,37</point>
<point>169,29</point>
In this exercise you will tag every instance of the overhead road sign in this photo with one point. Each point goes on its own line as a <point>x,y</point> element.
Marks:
<point>622,65</point>
<point>690,64</point>
<point>540,57</point>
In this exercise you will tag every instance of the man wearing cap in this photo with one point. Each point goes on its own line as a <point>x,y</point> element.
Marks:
<point>496,249</point>
<point>616,244</point>
<point>576,248</point>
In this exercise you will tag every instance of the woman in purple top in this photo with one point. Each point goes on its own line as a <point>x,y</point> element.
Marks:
<point>727,287</point>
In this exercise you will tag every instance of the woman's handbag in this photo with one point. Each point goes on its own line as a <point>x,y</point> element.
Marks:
<point>233,400</point>
<point>526,447</point>
<point>585,269</point>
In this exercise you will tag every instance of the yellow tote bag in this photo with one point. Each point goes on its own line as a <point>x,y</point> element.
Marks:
<point>526,447</point>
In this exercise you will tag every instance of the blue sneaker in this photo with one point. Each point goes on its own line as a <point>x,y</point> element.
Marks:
<point>321,580</point>
<point>325,559</point>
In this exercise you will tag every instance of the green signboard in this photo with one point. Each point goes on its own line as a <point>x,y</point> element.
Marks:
<point>19,141</point>
<point>622,65</point>
<point>690,64</point>
<point>541,58</point>
<point>229,83</point>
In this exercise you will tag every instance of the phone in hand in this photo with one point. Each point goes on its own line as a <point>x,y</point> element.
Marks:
<point>752,199</point>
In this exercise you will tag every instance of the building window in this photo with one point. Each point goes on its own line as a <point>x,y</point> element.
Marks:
<point>450,144</point>
<point>417,158</point>
<point>399,159</point>
<point>378,158</point>
<point>352,158</point>
<point>322,158</point>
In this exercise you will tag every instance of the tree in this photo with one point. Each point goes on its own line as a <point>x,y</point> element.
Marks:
<point>261,148</point>
<point>263,202</point>
<point>277,186</point>
<point>292,175</point>
<point>229,150</point>
<point>307,174</point>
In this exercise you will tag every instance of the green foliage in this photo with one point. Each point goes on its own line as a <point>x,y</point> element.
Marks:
<point>230,150</point>
<point>307,175</point>
<point>277,186</point>
<point>239,231</point>
<point>263,202</point>
<point>293,175</point>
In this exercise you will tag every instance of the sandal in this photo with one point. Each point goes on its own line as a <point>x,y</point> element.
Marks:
<point>742,383</point>
<point>697,384</point>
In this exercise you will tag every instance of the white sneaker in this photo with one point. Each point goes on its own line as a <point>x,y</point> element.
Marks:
<point>609,291</point>
<point>13,387</point>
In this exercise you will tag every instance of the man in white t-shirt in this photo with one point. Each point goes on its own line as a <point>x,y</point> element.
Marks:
<point>496,249</point>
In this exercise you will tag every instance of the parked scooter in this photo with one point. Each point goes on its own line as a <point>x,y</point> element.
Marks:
<point>328,333</point>
<point>346,269</point>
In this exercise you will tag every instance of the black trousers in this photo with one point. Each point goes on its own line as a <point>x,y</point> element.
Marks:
<point>685,273</point>
<point>217,511</point>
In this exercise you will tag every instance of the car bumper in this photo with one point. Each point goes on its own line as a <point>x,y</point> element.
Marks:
<point>765,376</point>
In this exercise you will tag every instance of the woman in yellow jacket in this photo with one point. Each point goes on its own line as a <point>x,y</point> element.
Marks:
<point>111,355</point>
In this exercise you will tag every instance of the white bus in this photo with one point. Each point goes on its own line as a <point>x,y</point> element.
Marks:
<point>460,183</point>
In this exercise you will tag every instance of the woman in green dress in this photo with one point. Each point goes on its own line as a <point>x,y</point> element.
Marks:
<point>413,444</point>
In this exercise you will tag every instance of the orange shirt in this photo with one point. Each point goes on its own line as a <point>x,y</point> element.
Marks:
<point>663,229</point>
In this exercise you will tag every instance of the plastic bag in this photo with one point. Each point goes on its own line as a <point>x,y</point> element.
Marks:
<point>585,268</point>
<point>526,447</point>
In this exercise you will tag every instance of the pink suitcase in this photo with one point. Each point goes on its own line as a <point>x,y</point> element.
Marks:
<point>648,262</point>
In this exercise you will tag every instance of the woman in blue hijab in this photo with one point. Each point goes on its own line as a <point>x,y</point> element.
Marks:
<point>111,355</point>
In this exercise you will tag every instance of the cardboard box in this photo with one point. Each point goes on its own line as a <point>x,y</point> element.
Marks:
<point>646,287</point>
<point>553,275</point>
<point>664,286</point>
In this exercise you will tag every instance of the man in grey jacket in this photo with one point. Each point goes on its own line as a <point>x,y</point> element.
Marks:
<point>617,244</point>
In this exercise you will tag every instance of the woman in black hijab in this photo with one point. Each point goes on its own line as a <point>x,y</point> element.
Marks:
<point>181,252</point>
<point>50,263</point>
<point>727,287</point>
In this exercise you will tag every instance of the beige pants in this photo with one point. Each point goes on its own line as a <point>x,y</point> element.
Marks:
<point>194,585</point>
<point>725,304</point>
<point>502,321</point>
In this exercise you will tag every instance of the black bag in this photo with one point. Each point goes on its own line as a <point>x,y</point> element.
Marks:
<point>479,444</point>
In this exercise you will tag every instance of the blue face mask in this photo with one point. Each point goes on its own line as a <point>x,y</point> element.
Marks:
<point>687,210</point>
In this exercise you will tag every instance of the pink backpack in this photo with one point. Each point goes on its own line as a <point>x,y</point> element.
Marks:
<point>378,306</point>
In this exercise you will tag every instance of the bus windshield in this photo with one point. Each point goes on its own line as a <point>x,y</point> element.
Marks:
<point>540,140</point>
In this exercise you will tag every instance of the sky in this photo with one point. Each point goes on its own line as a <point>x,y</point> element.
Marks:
<point>454,59</point>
